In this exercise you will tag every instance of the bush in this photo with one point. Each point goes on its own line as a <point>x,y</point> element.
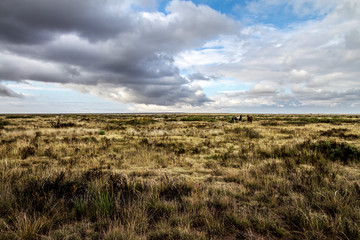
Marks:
<point>334,151</point>
<point>198,118</point>
<point>27,152</point>
<point>270,123</point>
<point>157,209</point>
<point>3,124</point>
<point>247,132</point>
<point>339,132</point>
<point>141,121</point>
<point>313,152</point>
<point>171,189</point>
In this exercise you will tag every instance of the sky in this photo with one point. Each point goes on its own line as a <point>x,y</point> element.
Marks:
<point>136,56</point>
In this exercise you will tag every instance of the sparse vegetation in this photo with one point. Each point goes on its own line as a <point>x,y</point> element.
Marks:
<point>198,118</point>
<point>3,123</point>
<point>179,176</point>
<point>101,132</point>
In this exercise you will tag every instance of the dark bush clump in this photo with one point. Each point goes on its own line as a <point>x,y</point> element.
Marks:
<point>3,124</point>
<point>171,189</point>
<point>339,132</point>
<point>141,121</point>
<point>313,152</point>
<point>198,118</point>
<point>334,151</point>
<point>270,123</point>
<point>247,132</point>
<point>101,132</point>
<point>27,152</point>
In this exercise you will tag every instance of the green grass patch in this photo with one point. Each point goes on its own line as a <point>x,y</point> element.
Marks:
<point>198,118</point>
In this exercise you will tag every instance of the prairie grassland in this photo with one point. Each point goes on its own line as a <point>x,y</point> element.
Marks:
<point>179,176</point>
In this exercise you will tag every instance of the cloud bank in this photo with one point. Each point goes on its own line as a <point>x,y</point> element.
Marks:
<point>106,48</point>
<point>312,63</point>
<point>130,52</point>
<point>6,92</point>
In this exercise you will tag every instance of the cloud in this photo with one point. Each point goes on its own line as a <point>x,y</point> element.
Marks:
<point>312,63</point>
<point>160,95</point>
<point>6,92</point>
<point>38,21</point>
<point>107,45</point>
<point>263,89</point>
<point>200,76</point>
<point>295,9</point>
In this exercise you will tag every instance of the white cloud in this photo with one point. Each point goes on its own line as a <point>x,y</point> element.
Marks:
<point>132,62</point>
<point>301,8</point>
<point>315,63</point>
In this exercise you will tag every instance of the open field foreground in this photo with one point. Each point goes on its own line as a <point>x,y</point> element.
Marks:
<point>179,176</point>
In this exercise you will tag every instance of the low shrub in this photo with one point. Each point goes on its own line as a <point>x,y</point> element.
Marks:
<point>339,132</point>
<point>270,123</point>
<point>335,151</point>
<point>27,151</point>
<point>198,118</point>
<point>141,121</point>
<point>3,124</point>
<point>312,152</point>
<point>171,189</point>
<point>247,132</point>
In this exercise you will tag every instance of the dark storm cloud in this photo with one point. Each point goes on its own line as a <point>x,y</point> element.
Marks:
<point>168,95</point>
<point>98,43</point>
<point>6,92</point>
<point>38,21</point>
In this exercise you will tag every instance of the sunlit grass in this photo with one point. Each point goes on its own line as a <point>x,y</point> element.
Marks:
<point>179,176</point>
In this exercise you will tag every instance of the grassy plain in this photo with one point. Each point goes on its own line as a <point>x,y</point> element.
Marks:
<point>179,176</point>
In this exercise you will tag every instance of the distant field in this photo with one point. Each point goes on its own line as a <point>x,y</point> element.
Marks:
<point>179,176</point>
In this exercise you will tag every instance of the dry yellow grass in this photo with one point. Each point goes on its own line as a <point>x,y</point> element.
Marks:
<point>179,176</point>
